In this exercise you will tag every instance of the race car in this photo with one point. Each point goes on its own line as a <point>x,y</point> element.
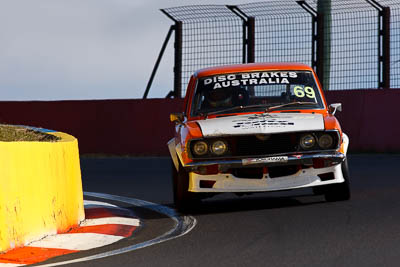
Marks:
<point>254,128</point>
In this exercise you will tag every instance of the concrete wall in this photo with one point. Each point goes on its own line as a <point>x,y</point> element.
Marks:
<point>370,118</point>
<point>41,190</point>
<point>142,127</point>
<point>139,127</point>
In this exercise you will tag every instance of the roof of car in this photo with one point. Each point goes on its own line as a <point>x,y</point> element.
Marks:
<point>250,67</point>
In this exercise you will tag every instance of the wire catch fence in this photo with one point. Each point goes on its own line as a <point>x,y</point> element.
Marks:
<point>351,44</point>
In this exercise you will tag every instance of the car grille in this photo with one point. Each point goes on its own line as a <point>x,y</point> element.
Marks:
<point>252,146</point>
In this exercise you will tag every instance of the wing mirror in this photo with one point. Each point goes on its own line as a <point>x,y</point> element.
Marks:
<point>335,107</point>
<point>176,117</point>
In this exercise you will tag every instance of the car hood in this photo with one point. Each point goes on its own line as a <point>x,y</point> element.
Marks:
<point>266,123</point>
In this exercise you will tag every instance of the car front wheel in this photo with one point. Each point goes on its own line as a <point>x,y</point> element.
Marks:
<point>183,199</point>
<point>339,192</point>
<point>336,192</point>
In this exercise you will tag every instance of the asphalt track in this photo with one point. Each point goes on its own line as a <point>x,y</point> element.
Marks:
<point>289,228</point>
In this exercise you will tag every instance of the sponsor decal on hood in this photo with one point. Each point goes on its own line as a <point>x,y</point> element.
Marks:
<point>267,123</point>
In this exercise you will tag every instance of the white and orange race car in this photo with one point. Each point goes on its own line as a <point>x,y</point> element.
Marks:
<point>255,128</point>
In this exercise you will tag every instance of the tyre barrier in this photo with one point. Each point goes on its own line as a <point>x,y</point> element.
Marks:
<point>41,189</point>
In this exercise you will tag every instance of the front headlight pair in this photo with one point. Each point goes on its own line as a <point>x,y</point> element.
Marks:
<point>217,148</point>
<point>308,141</point>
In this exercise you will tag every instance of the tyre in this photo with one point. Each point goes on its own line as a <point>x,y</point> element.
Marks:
<point>339,192</point>
<point>183,199</point>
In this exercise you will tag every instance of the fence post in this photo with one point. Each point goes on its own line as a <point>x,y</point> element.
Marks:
<point>383,44</point>
<point>320,48</point>
<point>155,68</point>
<point>178,60</point>
<point>314,43</point>
<point>324,9</point>
<point>177,91</point>
<point>317,47</point>
<point>248,34</point>
<point>386,48</point>
<point>251,39</point>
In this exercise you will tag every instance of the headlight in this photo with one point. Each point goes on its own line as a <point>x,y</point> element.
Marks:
<point>200,148</point>
<point>307,141</point>
<point>219,147</point>
<point>325,141</point>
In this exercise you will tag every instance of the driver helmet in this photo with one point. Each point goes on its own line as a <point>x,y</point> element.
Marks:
<point>221,97</point>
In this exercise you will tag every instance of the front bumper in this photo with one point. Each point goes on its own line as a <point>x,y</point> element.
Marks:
<point>306,177</point>
<point>333,158</point>
<point>229,183</point>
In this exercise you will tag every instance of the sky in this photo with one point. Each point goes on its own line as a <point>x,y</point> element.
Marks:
<point>85,49</point>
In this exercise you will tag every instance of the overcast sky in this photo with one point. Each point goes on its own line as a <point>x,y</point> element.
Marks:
<point>84,49</point>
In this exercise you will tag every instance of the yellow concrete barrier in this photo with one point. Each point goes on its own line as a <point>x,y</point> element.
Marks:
<point>40,190</point>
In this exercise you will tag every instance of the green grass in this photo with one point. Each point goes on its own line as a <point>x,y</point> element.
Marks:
<point>10,133</point>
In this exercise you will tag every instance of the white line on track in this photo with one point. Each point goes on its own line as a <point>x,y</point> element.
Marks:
<point>111,220</point>
<point>183,225</point>
<point>76,241</point>
<point>96,204</point>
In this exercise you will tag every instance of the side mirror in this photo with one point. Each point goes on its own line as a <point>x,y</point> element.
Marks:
<point>335,107</point>
<point>176,117</point>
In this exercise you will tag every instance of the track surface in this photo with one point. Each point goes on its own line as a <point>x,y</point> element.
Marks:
<point>269,229</point>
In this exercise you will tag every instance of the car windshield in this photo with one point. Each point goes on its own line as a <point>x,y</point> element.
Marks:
<point>255,91</point>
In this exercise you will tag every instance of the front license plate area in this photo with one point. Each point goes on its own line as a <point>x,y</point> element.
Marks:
<point>278,159</point>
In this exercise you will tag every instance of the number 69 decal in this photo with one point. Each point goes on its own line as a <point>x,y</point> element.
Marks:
<point>302,92</point>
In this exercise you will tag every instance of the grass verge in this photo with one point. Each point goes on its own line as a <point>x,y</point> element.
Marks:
<point>10,133</point>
